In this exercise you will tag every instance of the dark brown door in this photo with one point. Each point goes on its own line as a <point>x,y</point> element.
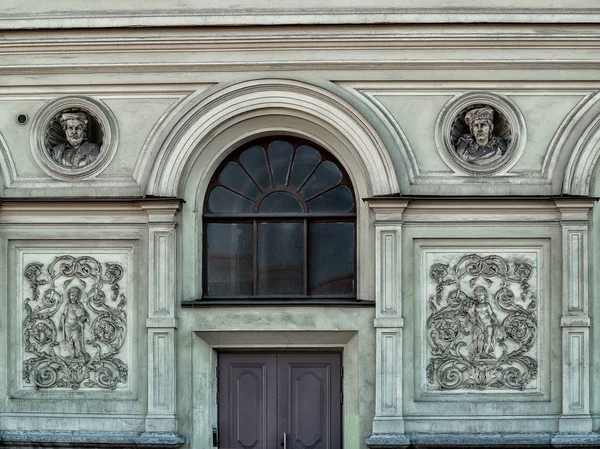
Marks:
<point>264,397</point>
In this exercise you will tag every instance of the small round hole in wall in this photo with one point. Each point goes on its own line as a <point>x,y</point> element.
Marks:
<point>22,119</point>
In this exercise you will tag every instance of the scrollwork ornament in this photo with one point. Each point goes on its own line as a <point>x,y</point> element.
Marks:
<point>72,334</point>
<point>482,325</point>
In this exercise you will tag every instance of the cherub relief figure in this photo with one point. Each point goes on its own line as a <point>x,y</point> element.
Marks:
<point>72,324</point>
<point>485,324</point>
<point>480,147</point>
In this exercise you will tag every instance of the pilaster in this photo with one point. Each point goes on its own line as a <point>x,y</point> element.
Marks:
<point>575,321</point>
<point>161,322</point>
<point>388,423</point>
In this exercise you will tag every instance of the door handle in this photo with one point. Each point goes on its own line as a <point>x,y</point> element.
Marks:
<point>284,444</point>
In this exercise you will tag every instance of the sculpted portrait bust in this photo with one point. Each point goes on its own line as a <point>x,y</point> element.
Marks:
<point>76,151</point>
<point>480,147</point>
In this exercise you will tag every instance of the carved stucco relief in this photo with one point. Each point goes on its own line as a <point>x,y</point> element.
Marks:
<point>75,324</point>
<point>480,133</point>
<point>74,138</point>
<point>482,322</point>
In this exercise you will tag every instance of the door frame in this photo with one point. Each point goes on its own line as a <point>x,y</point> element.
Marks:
<point>204,354</point>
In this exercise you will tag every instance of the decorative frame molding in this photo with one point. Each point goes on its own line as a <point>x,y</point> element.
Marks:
<point>458,106</point>
<point>171,149</point>
<point>502,271</point>
<point>103,117</point>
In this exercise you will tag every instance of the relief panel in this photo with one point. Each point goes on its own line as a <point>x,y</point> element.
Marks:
<point>75,320</point>
<point>482,321</point>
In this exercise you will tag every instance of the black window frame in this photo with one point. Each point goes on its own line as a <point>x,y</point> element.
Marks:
<point>255,218</point>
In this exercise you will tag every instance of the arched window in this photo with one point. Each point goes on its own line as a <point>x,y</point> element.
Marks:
<point>279,223</point>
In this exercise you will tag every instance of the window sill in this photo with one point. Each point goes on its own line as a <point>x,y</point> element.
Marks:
<point>292,302</point>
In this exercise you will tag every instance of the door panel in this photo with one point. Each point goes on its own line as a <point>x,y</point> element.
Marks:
<point>309,388</point>
<point>263,396</point>
<point>247,401</point>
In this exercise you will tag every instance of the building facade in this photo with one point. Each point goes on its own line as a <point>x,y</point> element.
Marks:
<point>325,226</point>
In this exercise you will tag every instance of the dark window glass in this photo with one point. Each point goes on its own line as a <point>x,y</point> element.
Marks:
<point>306,160</point>
<point>280,156</point>
<point>255,161</point>
<point>280,258</point>
<point>338,199</point>
<point>229,259</point>
<point>331,259</point>
<point>280,202</point>
<point>224,201</point>
<point>237,179</point>
<point>279,222</point>
<point>326,176</point>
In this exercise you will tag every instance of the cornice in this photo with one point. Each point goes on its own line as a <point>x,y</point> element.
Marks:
<point>104,17</point>
<point>88,211</point>
<point>311,65</point>
<point>388,37</point>
<point>483,209</point>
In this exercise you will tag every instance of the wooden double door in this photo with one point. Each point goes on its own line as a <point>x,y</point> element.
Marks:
<point>279,400</point>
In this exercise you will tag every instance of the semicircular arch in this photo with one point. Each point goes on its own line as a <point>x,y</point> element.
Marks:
<point>242,111</point>
<point>579,177</point>
<point>8,172</point>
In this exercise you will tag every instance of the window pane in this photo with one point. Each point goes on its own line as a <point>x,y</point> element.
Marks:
<point>255,161</point>
<point>280,155</point>
<point>280,258</point>
<point>280,202</point>
<point>305,161</point>
<point>237,179</point>
<point>229,259</point>
<point>325,176</point>
<point>338,199</point>
<point>331,258</point>
<point>223,201</point>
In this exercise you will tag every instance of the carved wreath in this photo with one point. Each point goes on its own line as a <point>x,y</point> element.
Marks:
<point>482,325</point>
<point>71,333</point>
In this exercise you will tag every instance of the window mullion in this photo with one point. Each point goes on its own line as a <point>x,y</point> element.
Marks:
<point>254,257</point>
<point>305,261</point>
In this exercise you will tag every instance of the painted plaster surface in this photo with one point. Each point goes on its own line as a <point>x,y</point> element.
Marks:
<point>518,333</point>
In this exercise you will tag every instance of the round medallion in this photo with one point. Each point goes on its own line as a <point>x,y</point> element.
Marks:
<point>480,133</point>
<point>74,138</point>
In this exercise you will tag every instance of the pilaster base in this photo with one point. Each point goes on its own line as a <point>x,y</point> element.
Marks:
<point>575,424</point>
<point>574,440</point>
<point>387,441</point>
<point>388,425</point>
<point>96,440</point>
<point>161,423</point>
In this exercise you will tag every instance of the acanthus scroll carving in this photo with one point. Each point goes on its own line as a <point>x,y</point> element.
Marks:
<point>75,324</point>
<point>482,325</point>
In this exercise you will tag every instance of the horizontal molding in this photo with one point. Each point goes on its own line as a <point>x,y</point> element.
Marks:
<point>115,212</point>
<point>13,438</point>
<point>451,87</point>
<point>575,321</point>
<point>77,41</point>
<point>303,65</point>
<point>111,18</point>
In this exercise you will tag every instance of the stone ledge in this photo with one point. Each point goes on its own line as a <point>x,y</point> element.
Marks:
<point>82,439</point>
<point>484,441</point>
<point>387,441</point>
